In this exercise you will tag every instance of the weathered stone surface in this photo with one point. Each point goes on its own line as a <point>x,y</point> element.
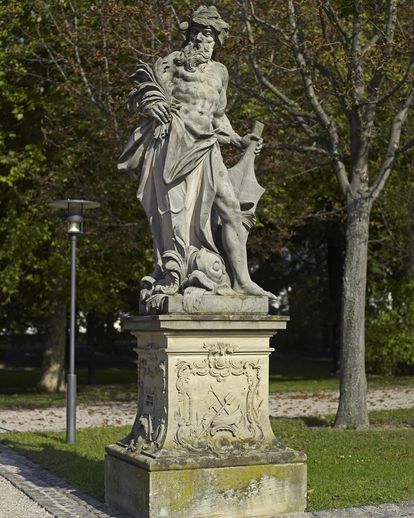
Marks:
<point>238,491</point>
<point>202,415</point>
<point>212,304</point>
<point>204,325</point>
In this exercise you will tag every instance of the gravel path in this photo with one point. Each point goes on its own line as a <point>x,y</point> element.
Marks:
<point>287,404</point>
<point>308,404</point>
<point>15,504</point>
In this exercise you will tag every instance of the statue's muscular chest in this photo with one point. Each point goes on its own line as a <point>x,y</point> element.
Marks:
<point>200,85</point>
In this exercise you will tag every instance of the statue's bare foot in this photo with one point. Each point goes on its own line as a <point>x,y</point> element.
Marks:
<point>251,288</point>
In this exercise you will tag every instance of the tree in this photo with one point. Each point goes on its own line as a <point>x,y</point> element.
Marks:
<point>349,69</point>
<point>25,169</point>
<point>59,137</point>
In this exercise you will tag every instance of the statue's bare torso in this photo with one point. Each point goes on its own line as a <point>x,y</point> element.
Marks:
<point>201,93</point>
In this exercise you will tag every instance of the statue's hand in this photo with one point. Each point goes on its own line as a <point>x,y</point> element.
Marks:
<point>160,111</point>
<point>250,137</point>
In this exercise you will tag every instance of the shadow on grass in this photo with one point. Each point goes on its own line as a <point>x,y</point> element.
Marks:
<point>302,423</point>
<point>85,474</point>
<point>317,422</point>
<point>25,379</point>
<point>81,465</point>
<point>90,395</point>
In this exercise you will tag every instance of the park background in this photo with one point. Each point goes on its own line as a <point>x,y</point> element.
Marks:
<point>64,79</point>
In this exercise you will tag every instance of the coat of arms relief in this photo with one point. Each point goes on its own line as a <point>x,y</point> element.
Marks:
<point>225,416</point>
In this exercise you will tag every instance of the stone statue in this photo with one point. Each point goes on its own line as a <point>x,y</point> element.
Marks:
<point>200,212</point>
<point>202,406</point>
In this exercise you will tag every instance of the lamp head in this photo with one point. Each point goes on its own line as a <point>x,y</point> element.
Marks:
<point>75,224</point>
<point>74,212</point>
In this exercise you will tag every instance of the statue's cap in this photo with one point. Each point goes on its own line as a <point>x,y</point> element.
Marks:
<point>208,17</point>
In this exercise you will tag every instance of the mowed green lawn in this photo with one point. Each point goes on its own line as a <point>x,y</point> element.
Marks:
<point>345,467</point>
<point>18,386</point>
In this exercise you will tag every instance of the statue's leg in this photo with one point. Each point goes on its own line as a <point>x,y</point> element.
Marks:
<point>233,237</point>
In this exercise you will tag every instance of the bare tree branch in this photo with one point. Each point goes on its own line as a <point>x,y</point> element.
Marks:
<point>53,58</point>
<point>391,24</point>
<point>336,22</point>
<point>357,71</point>
<point>78,58</point>
<point>283,36</point>
<point>377,33</point>
<point>379,74</point>
<point>336,87</point>
<point>393,144</point>
<point>332,46</point>
<point>365,110</point>
<point>298,148</point>
<point>108,81</point>
<point>371,44</point>
<point>288,103</point>
<point>399,84</point>
<point>175,15</point>
<point>327,123</point>
<point>363,114</point>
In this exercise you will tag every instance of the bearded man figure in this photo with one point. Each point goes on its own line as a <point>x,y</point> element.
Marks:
<point>196,220</point>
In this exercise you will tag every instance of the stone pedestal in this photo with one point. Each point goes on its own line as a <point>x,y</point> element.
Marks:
<point>201,444</point>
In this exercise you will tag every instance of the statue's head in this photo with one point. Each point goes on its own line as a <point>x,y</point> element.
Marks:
<point>205,31</point>
<point>205,18</point>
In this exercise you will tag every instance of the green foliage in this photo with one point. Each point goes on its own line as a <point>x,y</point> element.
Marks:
<point>390,309</point>
<point>63,79</point>
<point>390,329</point>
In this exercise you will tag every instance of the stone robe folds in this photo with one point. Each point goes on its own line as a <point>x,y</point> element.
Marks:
<point>178,172</point>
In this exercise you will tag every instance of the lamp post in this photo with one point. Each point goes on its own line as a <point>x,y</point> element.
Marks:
<point>74,217</point>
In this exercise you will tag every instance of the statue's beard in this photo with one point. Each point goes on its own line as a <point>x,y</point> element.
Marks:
<point>191,56</point>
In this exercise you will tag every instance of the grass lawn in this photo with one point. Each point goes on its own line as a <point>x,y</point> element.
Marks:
<point>288,374</point>
<point>26,379</point>
<point>345,467</point>
<point>283,383</point>
<point>18,386</point>
<point>89,395</point>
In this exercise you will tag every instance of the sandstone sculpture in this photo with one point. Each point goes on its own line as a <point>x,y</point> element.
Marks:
<point>201,444</point>
<point>199,211</point>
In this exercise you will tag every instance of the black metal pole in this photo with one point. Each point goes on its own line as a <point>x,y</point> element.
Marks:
<point>71,386</point>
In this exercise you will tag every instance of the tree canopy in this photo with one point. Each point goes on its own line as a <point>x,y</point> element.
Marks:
<point>330,80</point>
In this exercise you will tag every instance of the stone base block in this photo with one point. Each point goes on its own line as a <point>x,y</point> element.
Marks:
<point>262,490</point>
<point>212,305</point>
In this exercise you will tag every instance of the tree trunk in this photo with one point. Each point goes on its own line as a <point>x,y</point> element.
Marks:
<point>53,362</point>
<point>352,411</point>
